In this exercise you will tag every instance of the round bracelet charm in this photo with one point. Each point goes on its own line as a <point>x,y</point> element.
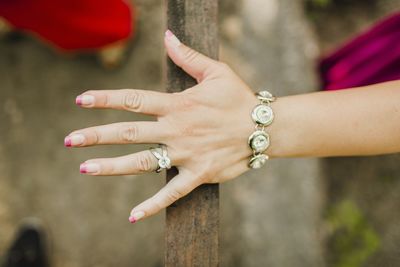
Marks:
<point>265,96</point>
<point>258,161</point>
<point>262,115</point>
<point>259,141</point>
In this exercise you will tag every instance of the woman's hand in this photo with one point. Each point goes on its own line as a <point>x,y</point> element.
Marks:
<point>205,128</point>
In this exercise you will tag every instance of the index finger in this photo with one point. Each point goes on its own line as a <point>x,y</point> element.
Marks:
<point>135,100</point>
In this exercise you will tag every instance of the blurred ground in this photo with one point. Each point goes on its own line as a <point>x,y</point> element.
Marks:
<point>87,218</point>
<point>278,216</point>
<point>271,45</point>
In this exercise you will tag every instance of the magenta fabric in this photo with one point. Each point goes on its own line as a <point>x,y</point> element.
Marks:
<point>372,57</point>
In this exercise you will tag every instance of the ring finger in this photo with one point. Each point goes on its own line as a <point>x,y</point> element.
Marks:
<point>137,163</point>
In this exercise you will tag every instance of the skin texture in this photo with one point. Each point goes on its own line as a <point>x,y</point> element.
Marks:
<point>212,121</point>
<point>353,122</point>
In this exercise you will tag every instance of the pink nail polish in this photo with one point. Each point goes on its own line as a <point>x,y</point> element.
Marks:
<point>172,39</point>
<point>78,100</point>
<point>90,168</point>
<point>85,100</point>
<point>67,141</point>
<point>83,168</point>
<point>136,216</point>
<point>75,139</point>
<point>168,33</point>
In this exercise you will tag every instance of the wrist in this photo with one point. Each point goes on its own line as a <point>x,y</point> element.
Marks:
<point>286,132</point>
<point>278,135</point>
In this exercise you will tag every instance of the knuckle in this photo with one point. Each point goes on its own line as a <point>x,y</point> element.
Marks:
<point>106,101</point>
<point>133,100</point>
<point>129,133</point>
<point>186,130</point>
<point>180,189</point>
<point>174,194</point>
<point>190,55</point>
<point>144,163</point>
<point>186,102</point>
<point>207,175</point>
<point>96,137</point>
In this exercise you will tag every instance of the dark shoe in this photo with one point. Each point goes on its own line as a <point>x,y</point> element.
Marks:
<point>28,249</point>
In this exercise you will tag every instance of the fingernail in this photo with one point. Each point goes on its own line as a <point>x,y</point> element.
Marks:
<point>74,140</point>
<point>84,100</point>
<point>136,216</point>
<point>67,141</point>
<point>172,38</point>
<point>89,168</point>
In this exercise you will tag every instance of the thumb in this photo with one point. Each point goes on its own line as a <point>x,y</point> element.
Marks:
<point>192,62</point>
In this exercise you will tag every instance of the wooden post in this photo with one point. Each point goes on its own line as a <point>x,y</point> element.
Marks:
<point>193,221</point>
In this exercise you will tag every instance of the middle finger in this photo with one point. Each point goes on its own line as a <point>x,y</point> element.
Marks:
<point>119,133</point>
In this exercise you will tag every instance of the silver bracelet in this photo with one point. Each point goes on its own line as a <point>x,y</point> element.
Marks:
<point>259,140</point>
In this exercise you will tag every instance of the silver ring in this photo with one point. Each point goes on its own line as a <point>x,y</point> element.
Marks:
<point>161,154</point>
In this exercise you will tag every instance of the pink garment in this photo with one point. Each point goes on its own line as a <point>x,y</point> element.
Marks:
<point>372,57</point>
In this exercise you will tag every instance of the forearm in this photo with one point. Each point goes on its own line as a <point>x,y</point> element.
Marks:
<point>358,121</point>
